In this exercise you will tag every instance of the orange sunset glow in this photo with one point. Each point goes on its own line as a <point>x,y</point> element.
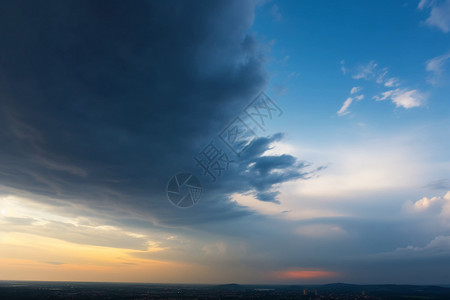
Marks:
<point>305,274</point>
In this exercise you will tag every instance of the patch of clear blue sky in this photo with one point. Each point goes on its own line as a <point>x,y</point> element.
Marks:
<point>317,35</point>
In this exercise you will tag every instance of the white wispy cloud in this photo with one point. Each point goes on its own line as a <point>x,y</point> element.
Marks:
<point>381,75</point>
<point>437,66</point>
<point>439,13</point>
<point>355,89</point>
<point>408,98</point>
<point>401,97</point>
<point>366,71</point>
<point>343,69</point>
<point>344,109</point>
<point>275,13</point>
<point>359,97</point>
<point>285,59</point>
<point>371,71</point>
<point>384,95</point>
<point>405,98</point>
<point>392,82</point>
<point>424,3</point>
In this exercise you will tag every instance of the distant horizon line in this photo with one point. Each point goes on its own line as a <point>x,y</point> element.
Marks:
<point>445,285</point>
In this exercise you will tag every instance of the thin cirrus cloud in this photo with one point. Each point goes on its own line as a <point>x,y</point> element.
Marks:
<point>275,13</point>
<point>439,13</point>
<point>437,67</point>
<point>371,71</point>
<point>344,110</point>
<point>343,68</point>
<point>401,97</point>
<point>355,89</point>
<point>367,72</point>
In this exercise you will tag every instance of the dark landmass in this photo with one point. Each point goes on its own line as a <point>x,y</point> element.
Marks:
<point>337,291</point>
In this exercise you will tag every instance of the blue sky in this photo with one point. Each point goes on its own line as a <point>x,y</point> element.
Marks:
<point>103,102</point>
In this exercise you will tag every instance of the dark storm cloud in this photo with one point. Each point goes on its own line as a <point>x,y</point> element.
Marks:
<point>263,165</point>
<point>263,173</point>
<point>103,101</point>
